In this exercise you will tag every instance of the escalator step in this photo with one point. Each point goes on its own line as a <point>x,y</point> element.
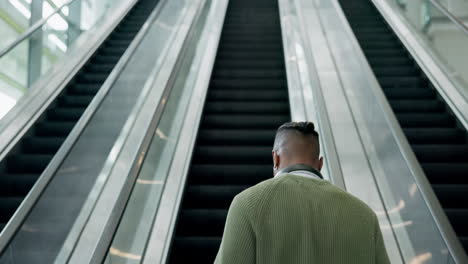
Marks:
<point>248,84</point>
<point>201,222</point>
<point>249,56</point>
<point>409,93</point>
<point>458,218</point>
<point>101,67</point>
<point>123,35</point>
<point>395,71</point>
<point>244,121</point>
<point>130,28</point>
<point>381,44</point>
<point>368,36</point>
<point>211,196</point>
<point>16,184</point>
<point>106,59</point>
<point>232,154</point>
<point>250,73</point>
<point>441,153</point>
<point>464,241</point>
<point>247,108</point>
<point>452,195</point>
<point>384,53</point>
<point>396,82</point>
<point>273,47</point>
<point>230,174</point>
<point>247,95</point>
<point>446,173</point>
<point>92,78</point>
<point>425,106</point>
<point>65,114</point>
<point>28,163</point>
<point>41,145</point>
<point>54,129</point>
<point>236,137</point>
<point>118,42</point>
<point>435,135</point>
<point>258,64</point>
<point>372,30</point>
<point>410,120</point>
<point>203,249</point>
<point>84,89</point>
<point>76,100</point>
<point>8,207</point>
<point>403,62</point>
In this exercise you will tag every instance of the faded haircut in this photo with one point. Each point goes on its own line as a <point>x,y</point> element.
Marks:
<point>296,129</point>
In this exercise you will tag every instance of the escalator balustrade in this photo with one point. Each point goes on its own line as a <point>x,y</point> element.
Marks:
<point>438,140</point>
<point>21,168</point>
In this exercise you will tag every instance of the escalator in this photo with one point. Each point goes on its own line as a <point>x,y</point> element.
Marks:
<point>20,169</point>
<point>247,101</point>
<point>438,140</point>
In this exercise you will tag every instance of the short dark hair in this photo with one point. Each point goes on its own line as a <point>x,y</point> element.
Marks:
<point>305,128</point>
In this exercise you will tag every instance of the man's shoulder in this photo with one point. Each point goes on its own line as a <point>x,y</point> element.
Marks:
<point>254,197</point>
<point>257,191</point>
<point>344,199</point>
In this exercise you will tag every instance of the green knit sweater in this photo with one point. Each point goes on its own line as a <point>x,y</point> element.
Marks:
<point>294,219</point>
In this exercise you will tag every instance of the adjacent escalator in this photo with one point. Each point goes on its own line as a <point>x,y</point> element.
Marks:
<point>20,169</point>
<point>438,140</point>
<point>247,101</point>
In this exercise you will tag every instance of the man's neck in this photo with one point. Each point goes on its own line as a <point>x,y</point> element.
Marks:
<point>299,167</point>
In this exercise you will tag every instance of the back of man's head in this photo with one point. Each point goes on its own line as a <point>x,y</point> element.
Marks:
<point>296,143</point>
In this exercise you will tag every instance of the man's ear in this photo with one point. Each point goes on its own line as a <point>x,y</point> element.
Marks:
<point>276,162</point>
<point>275,159</point>
<point>320,164</point>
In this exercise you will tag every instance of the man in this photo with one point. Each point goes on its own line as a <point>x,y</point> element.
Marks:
<point>297,217</point>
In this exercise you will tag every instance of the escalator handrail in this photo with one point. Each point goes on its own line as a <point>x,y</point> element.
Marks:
<point>91,237</point>
<point>439,217</point>
<point>304,88</point>
<point>450,16</point>
<point>163,229</point>
<point>27,204</point>
<point>32,29</point>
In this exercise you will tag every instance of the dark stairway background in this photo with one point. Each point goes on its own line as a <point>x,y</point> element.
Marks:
<point>247,101</point>
<point>26,162</point>
<point>436,138</point>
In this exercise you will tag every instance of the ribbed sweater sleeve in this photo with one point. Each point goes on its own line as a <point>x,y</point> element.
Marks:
<point>238,243</point>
